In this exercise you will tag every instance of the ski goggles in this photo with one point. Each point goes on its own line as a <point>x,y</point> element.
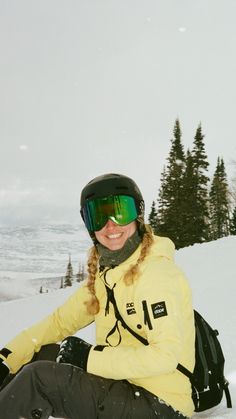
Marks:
<point>121,209</point>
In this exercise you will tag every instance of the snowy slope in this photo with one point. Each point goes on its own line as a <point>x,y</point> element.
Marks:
<point>211,271</point>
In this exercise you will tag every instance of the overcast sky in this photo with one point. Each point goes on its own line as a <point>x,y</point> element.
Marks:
<point>93,86</point>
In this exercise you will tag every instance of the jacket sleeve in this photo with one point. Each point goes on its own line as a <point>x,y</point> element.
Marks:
<point>169,306</point>
<point>65,320</point>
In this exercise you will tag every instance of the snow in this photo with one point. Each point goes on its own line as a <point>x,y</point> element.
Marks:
<point>210,269</point>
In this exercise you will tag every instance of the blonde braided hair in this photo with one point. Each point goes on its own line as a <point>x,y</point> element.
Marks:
<point>93,303</point>
<point>134,271</point>
<point>129,277</point>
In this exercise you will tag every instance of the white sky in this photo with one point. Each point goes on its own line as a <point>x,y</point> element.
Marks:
<point>93,86</point>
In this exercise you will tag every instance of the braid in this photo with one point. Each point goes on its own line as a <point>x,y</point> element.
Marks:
<point>93,303</point>
<point>147,242</point>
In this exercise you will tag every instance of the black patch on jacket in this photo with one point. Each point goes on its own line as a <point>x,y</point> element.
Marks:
<point>159,309</point>
<point>5,352</point>
<point>99,347</point>
<point>130,308</point>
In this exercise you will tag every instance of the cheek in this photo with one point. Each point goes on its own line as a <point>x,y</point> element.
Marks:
<point>131,229</point>
<point>97,235</point>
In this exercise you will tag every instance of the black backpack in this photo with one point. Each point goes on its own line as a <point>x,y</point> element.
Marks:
<point>207,379</point>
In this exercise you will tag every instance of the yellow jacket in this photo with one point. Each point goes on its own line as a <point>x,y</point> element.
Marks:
<point>157,306</point>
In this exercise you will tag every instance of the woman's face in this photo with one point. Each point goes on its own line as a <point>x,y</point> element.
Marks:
<point>114,236</point>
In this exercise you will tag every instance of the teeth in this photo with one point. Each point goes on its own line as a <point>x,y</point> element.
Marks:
<point>114,236</point>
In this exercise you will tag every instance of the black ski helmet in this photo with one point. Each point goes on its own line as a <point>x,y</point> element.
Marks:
<point>113,184</point>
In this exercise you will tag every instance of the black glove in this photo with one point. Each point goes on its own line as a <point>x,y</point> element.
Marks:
<point>74,351</point>
<point>4,371</point>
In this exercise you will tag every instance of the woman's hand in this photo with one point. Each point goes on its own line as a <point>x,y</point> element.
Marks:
<point>74,351</point>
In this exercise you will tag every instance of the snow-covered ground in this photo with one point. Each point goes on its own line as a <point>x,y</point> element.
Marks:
<point>211,269</point>
<point>36,255</point>
<point>41,248</point>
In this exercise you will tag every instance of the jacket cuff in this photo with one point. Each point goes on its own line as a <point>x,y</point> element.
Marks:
<point>4,371</point>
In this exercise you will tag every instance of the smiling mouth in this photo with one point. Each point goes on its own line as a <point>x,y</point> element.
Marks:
<point>114,236</point>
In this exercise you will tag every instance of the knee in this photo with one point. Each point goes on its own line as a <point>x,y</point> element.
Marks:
<point>50,374</point>
<point>33,366</point>
<point>27,369</point>
<point>37,369</point>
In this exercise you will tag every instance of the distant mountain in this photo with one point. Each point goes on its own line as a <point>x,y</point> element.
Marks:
<point>42,248</point>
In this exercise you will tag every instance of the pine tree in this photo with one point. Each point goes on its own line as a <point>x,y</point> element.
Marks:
<point>189,225</point>
<point>169,218</point>
<point>69,274</point>
<point>80,276</point>
<point>233,200</point>
<point>152,218</point>
<point>219,203</point>
<point>200,181</point>
<point>159,226</point>
<point>233,223</point>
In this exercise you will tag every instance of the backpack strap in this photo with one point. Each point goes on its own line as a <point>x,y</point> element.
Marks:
<point>185,371</point>
<point>227,393</point>
<point>119,318</point>
<point>225,384</point>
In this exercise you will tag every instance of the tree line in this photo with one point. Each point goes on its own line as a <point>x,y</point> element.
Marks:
<point>69,278</point>
<point>191,207</point>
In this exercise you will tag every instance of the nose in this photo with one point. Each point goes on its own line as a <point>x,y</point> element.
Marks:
<point>110,224</point>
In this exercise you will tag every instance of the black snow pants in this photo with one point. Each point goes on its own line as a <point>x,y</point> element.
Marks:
<point>45,388</point>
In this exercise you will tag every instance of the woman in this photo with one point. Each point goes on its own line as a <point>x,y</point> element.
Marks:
<point>141,304</point>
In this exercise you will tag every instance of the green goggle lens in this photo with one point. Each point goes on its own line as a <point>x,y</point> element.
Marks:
<point>121,209</point>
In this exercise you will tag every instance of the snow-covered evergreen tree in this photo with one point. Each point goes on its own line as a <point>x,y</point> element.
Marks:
<point>189,230</point>
<point>152,218</point>
<point>200,181</point>
<point>169,218</point>
<point>69,274</point>
<point>80,276</point>
<point>162,203</point>
<point>233,222</point>
<point>219,203</point>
